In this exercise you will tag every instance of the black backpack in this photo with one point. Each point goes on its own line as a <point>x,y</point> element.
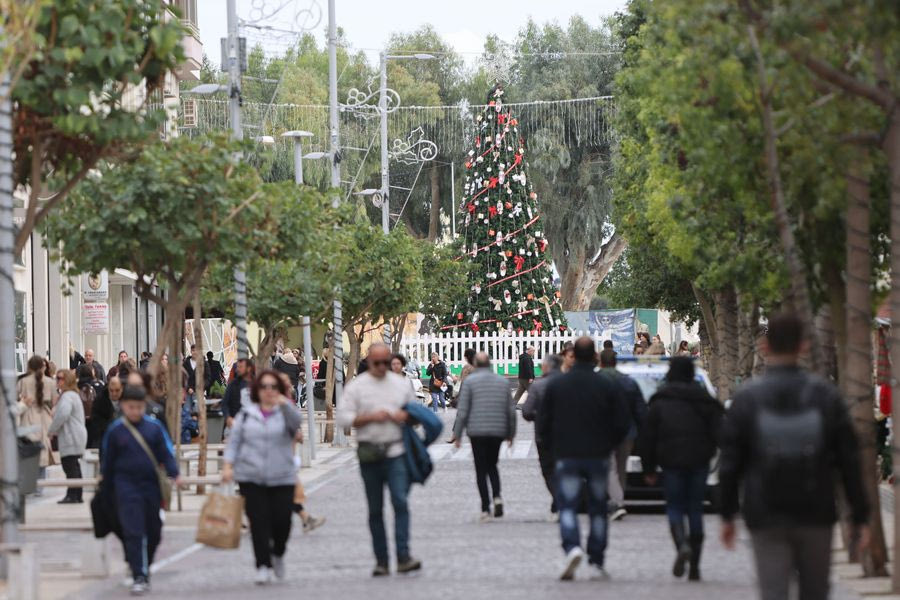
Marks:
<point>790,445</point>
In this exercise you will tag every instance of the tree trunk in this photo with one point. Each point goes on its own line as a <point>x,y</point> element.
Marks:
<point>837,307</point>
<point>799,289</point>
<point>434,224</point>
<point>726,326</point>
<point>266,347</point>
<point>329,398</point>
<point>748,332</point>
<point>859,355</point>
<point>398,325</point>
<point>708,329</point>
<point>580,276</point>
<point>355,349</point>
<point>892,149</point>
<point>200,391</point>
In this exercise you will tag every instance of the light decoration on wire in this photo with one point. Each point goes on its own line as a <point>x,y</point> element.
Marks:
<point>358,101</point>
<point>414,149</point>
<point>273,16</point>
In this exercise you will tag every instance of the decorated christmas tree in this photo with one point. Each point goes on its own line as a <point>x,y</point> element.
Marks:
<point>510,279</point>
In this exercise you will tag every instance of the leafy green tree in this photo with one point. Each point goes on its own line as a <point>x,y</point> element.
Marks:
<point>298,280</point>
<point>78,99</point>
<point>382,281</point>
<point>571,177</point>
<point>179,208</point>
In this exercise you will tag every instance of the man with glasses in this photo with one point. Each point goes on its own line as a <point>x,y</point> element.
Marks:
<point>373,403</point>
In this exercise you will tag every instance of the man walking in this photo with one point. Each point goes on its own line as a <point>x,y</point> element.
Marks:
<point>551,366</point>
<point>637,407</point>
<point>584,416</point>
<point>215,371</point>
<point>373,403</point>
<point>786,439</point>
<point>234,392</point>
<point>133,447</point>
<point>486,412</point>
<point>526,373</point>
<point>437,378</point>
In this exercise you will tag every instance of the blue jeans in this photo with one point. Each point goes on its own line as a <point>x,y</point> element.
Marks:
<point>571,476</point>
<point>684,490</point>
<point>435,398</point>
<point>391,472</point>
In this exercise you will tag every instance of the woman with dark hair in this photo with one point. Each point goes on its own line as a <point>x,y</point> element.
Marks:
<point>684,349</point>
<point>37,396</point>
<point>260,457</point>
<point>680,435</point>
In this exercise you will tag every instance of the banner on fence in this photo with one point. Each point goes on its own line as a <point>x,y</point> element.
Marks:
<point>615,325</point>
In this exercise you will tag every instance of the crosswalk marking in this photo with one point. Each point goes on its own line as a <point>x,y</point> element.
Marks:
<point>521,450</point>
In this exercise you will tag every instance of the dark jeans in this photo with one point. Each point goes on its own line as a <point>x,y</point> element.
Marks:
<point>141,528</point>
<point>486,452</point>
<point>684,490</point>
<point>72,469</point>
<point>785,553</point>
<point>548,471</point>
<point>571,476</point>
<point>269,510</point>
<point>392,473</point>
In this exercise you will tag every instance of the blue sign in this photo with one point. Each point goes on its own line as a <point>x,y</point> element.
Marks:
<point>615,325</point>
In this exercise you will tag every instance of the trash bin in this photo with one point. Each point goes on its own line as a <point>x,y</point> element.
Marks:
<point>215,426</point>
<point>29,465</point>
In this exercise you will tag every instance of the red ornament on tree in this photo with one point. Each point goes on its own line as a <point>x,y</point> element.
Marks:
<point>508,253</point>
<point>508,205</point>
<point>475,327</point>
<point>493,211</point>
<point>501,118</point>
<point>537,325</point>
<point>470,207</point>
<point>493,182</point>
<point>459,316</point>
<point>519,260</point>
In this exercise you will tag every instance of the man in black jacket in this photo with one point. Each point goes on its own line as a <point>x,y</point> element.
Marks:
<point>526,373</point>
<point>584,416</point>
<point>214,372</point>
<point>232,402</point>
<point>638,408</point>
<point>550,368</point>
<point>785,438</point>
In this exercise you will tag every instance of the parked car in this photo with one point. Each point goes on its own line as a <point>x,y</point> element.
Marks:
<point>649,373</point>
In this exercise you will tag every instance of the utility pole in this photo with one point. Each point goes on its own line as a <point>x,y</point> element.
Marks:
<point>338,340</point>
<point>237,132</point>
<point>297,137</point>
<point>9,478</point>
<point>385,165</point>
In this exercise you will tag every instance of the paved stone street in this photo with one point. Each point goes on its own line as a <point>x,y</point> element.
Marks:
<point>516,557</point>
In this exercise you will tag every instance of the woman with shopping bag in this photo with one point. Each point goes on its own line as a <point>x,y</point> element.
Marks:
<point>259,456</point>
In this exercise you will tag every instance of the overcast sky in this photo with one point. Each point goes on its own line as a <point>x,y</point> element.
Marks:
<point>463,23</point>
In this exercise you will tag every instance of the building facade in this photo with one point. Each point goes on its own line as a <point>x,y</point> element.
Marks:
<point>55,317</point>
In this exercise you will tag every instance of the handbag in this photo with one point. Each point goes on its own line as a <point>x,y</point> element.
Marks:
<point>220,520</point>
<point>165,488</point>
<point>104,515</point>
<point>370,452</point>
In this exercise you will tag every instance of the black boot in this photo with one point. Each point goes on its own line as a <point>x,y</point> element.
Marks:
<point>682,550</point>
<point>696,542</point>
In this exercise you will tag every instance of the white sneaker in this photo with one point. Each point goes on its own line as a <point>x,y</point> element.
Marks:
<point>263,576</point>
<point>618,514</point>
<point>553,517</point>
<point>485,517</point>
<point>598,573</point>
<point>278,567</point>
<point>573,559</point>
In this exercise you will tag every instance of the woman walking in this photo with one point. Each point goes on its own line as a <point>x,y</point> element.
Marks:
<point>69,428</point>
<point>681,435</point>
<point>260,457</point>
<point>37,395</point>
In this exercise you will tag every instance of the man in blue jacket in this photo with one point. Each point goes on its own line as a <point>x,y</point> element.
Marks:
<point>132,474</point>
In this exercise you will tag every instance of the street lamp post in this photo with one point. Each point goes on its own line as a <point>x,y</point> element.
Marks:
<point>298,136</point>
<point>385,156</point>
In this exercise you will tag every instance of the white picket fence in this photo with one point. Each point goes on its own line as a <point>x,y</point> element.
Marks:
<point>503,348</point>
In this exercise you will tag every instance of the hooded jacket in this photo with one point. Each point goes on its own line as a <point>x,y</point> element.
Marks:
<point>262,448</point>
<point>68,424</point>
<point>681,430</point>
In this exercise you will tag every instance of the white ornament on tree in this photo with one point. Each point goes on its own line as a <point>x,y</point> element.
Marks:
<point>507,296</point>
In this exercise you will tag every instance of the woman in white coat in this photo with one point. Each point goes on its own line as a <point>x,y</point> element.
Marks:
<point>69,428</point>
<point>37,396</point>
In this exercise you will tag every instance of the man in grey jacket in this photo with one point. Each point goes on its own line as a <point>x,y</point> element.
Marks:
<point>487,413</point>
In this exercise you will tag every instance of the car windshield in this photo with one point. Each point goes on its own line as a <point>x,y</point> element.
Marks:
<point>649,381</point>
